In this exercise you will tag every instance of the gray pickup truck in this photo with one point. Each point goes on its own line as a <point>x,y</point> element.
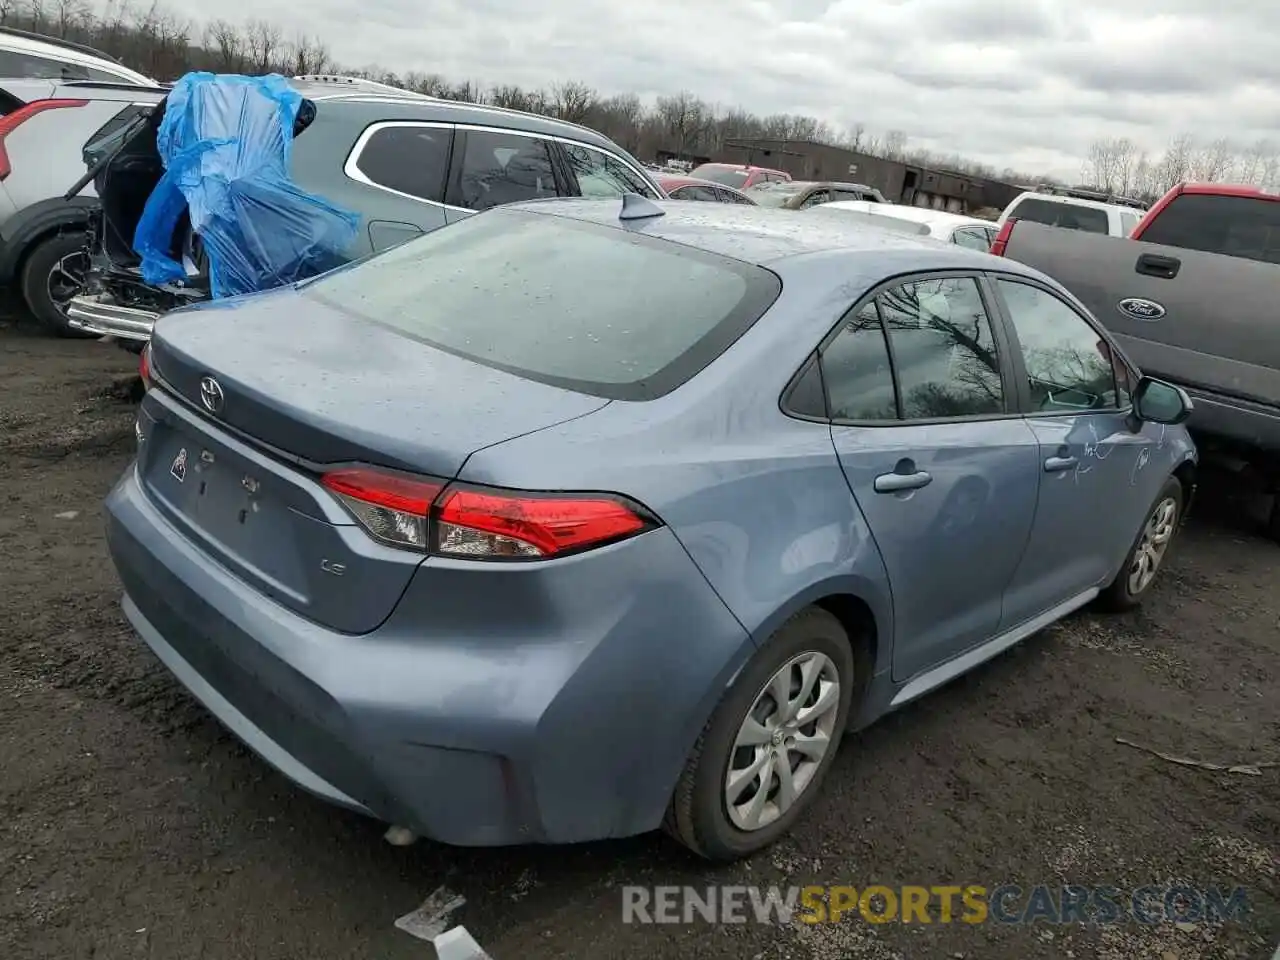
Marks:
<point>1192,298</point>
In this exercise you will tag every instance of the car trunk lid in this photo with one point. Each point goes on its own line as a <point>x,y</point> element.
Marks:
<point>258,396</point>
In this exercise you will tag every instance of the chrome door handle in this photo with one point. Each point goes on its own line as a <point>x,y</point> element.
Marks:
<point>898,482</point>
<point>1058,464</point>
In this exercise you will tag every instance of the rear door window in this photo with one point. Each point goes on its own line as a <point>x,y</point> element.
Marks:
<point>1245,227</point>
<point>498,168</point>
<point>975,238</point>
<point>695,192</point>
<point>1069,216</point>
<point>581,305</point>
<point>26,66</point>
<point>408,158</point>
<point>600,175</point>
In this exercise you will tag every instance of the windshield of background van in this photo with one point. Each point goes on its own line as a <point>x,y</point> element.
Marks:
<point>590,307</point>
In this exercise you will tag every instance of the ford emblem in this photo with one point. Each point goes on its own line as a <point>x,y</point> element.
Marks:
<point>1137,308</point>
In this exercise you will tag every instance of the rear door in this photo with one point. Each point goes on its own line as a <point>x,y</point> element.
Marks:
<point>405,163</point>
<point>942,465</point>
<point>1094,491</point>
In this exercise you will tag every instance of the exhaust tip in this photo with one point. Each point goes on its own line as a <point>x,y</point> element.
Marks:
<point>400,836</point>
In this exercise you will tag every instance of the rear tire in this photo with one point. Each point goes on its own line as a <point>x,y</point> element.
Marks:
<point>48,280</point>
<point>701,815</point>
<point>1149,552</point>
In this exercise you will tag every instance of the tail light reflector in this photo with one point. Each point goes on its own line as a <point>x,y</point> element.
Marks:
<point>10,122</point>
<point>1001,241</point>
<point>391,507</point>
<point>144,367</point>
<point>481,523</point>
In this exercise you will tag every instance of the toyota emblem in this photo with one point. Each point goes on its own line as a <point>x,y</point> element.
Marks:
<point>211,394</point>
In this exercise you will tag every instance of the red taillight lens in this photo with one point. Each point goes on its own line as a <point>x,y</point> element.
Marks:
<point>490,524</point>
<point>144,367</point>
<point>1001,241</point>
<point>480,523</point>
<point>392,507</point>
<point>10,122</point>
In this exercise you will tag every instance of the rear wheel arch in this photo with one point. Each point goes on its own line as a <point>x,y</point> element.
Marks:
<point>862,607</point>
<point>859,623</point>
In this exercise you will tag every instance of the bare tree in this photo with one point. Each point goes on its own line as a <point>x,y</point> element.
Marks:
<point>572,101</point>
<point>68,15</point>
<point>308,55</point>
<point>228,44</point>
<point>262,45</point>
<point>1214,162</point>
<point>894,145</point>
<point>685,118</point>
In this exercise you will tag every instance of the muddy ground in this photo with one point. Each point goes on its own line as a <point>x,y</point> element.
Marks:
<point>131,825</point>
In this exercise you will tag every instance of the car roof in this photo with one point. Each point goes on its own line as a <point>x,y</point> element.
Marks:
<point>411,106</point>
<point>676,180</point>
<point>902,211</point>
<point>740,166</point>
<point>1075,202</point>
<point>757,235</point>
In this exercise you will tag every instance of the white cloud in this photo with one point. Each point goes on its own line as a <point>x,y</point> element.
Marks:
<point>1020,83</point>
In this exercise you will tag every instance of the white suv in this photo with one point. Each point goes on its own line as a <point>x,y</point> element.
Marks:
<point>32,56</point>
<point>1074,213</point>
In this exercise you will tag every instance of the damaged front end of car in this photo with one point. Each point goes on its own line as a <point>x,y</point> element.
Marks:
<point>196,203</point>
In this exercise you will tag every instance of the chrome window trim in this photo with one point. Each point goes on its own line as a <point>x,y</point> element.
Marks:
<point>353,172</point>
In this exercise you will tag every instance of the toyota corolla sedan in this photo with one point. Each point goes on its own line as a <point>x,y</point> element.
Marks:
<point>580,518</point>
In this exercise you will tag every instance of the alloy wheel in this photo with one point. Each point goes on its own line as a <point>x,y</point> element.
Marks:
<point>781,742</point>
<point>1153,545</point>
<point>66,279</point>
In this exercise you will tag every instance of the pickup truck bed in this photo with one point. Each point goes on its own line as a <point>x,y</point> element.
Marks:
<point>1205,321</point>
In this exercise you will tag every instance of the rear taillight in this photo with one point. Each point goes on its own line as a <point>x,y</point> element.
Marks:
<point>482,523</point>
<point>392,507</point>
<point>1001,241</point>
<point>473,522</point>
<point>144,367</point>
<point>10,122</point>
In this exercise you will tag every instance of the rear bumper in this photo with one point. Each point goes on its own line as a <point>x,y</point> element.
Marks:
<point>564,713</point>
<point>97,314</point>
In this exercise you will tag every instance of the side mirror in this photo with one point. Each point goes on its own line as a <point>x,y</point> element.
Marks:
<point>1158,402</point>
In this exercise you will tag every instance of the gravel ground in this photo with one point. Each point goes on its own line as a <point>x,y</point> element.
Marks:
<point>133,826</point>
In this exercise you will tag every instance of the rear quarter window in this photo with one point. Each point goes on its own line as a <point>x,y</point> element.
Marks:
<point>1069,216</point>
<point>1244,227</point>
<point>584,306</point>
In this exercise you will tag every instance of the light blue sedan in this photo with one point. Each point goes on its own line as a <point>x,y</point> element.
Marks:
<point>579,518</point>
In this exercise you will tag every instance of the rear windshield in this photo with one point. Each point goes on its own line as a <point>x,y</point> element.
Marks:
<point>726,175</point>
<point>1236,226</point>
<point>588,307</point>
<point>1069,216</point>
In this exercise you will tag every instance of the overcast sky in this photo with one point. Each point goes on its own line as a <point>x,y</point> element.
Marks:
<point>1020,83</point>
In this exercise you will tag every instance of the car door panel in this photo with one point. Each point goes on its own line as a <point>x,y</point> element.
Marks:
<point>950,497</point>
<point>951,545</point>
<point>1093,492</point>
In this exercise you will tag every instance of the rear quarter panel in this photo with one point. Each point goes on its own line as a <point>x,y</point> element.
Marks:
<point>1218,330</point>
<point>756,497</point>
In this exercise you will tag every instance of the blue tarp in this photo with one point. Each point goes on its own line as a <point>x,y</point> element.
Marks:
<point>224,142</point>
